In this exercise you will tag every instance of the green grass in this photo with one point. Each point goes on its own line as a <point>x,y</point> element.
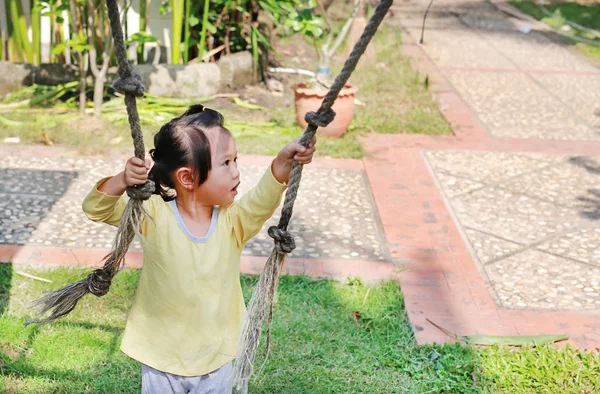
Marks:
<point>396,95</point>
<point>318,347</point>
<point>544,370</point>
<point>583,13</point>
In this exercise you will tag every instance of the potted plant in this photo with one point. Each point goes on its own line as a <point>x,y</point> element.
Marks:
<point>309,95</point>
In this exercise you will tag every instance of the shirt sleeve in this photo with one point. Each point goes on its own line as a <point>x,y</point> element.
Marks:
<point>249,213</point>
<point>102,207</point>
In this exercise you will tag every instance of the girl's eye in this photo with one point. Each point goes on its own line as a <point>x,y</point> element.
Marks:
<point>235,159</point>
<point>227,162</point>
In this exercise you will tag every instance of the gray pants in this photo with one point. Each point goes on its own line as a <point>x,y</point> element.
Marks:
<point>217,382</point>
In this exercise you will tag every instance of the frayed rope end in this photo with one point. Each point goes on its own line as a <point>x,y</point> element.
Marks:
<point>61,302</point>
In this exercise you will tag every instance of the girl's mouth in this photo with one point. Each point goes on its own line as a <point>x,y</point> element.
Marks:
<point>234,190</point>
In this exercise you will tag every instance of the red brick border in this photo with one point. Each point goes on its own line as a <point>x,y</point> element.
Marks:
<point>440,280</point>
<point>369,271</point>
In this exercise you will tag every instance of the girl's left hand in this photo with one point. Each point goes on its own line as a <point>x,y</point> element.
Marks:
<point>295,151</point>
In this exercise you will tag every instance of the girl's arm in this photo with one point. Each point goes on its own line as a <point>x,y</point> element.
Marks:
<point>248,215</point>
<point>135,173</point>
<point>106,202</point>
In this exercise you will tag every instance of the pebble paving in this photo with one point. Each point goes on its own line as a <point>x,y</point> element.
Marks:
<point>40,204</point>
<point>520,82</point>
<point>531,221</point>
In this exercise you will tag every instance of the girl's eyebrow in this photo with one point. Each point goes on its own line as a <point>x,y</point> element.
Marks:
<point>226,155</point>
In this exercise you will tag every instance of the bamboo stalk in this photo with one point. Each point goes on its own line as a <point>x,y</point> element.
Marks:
<point>143,26</point>
<point>186,34</point>
<point>36,36</point>
<point>177,21</point>
<point>202,43</point>
<point>2,43</point>
<point>52,22</point>
<point>21,28</point>
<point>12,53</point>
<point>60,37</point>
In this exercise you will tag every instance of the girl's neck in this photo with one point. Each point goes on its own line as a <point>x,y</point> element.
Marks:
<point>194,209</point>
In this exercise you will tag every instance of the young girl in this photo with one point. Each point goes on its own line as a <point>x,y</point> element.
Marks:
<point>188,308</point>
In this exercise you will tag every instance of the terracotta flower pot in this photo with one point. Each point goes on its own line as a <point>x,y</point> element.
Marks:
<point>307,100</point>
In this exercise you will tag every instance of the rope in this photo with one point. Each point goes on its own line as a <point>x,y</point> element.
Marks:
<point>262,298</point>
<point>61,302</point>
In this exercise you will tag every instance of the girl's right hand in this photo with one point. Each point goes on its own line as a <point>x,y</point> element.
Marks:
<point>136,171</point>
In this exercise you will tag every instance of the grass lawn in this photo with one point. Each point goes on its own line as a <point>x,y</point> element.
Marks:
<point>318,347</point>
<point>396,101</point>
<point>583,12</point>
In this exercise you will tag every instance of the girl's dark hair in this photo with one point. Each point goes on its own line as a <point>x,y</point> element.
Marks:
<point>182,142</point>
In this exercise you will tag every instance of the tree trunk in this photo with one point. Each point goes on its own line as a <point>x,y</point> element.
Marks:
<point>144,6</point>
<point>99,93</point>
<point>99,83</point>
<point>83,59</point>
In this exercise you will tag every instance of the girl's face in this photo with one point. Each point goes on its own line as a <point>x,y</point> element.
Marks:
<point>220,188</point>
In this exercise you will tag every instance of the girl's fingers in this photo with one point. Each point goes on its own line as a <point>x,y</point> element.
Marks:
<point>303,159</point>
<point>137,162</point>
<point>306,153</point>
<point>139,170</point>
<point>136,178</point>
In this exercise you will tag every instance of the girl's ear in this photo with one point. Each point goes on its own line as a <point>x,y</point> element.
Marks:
<point>185,177</point>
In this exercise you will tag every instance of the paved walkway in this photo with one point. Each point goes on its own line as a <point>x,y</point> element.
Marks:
<point>499,224</point>
<point>41,221</point>
<point>492,230</point>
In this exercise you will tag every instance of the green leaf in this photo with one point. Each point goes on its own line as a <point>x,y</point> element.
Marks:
<point>212,28</point>
<point>245,104</point>
<point>58,49</point>
<point>193,21</point>
<point>141,38</point>
<point>514,340</point>
<point>508,340</point>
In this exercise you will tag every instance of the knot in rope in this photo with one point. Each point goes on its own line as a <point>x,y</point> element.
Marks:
<point>131,84</point>
<point>319,119</point>
<point>142,192</point>
<point>284,242</point>
<point>98,282</point>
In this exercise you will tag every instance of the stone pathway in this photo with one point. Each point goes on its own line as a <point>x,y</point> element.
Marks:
<point>532,222</point>
<point>497,226</point>
<point>521,85</point>
<point>334,217</point>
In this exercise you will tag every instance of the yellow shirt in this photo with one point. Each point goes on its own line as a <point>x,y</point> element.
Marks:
<point>188,306</point>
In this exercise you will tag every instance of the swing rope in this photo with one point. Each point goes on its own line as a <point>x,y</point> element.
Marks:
<point>61,302</point>
<point>262,298</point>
